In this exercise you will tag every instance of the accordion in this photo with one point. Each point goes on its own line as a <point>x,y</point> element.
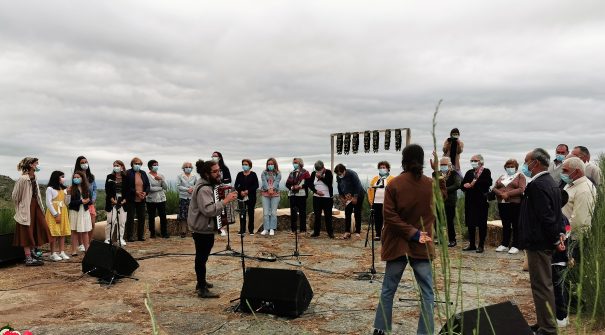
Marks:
<point>228,214</point>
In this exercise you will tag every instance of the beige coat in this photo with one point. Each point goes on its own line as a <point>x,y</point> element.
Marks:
<point>22,197</point>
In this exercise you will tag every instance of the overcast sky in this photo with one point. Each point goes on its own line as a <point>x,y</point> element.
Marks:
<point>174,81</point>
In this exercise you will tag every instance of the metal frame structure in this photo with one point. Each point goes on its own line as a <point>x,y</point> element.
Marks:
<point>408,137</point>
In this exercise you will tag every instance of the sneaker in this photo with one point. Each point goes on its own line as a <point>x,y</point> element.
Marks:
<point>513,251</point>
<point>264,232</point>
<point>501,248</point>
<point>30,261</point>
<point>55,257</point>
<point>563,323</point>
<point>271,232</point>
<point>64,255</point>
<point>223,232</point>
<point>81,247</point>
<point>251,234</point>
<point>123,243</point>
<point>107,242</point>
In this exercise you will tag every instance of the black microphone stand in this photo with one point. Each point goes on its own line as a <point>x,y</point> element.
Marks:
<point>371,273</point>
<point>228,251</point>
<point>296,253</point>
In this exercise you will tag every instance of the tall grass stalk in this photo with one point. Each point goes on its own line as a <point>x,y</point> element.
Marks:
<point>149,305</point>
<point>7,222</point>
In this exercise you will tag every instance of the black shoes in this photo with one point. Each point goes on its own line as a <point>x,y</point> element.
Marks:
<point>452,244</point>
<point>206,294</point>
<point>469,248</point>
<point>479,250</point>
<point>314,235</point>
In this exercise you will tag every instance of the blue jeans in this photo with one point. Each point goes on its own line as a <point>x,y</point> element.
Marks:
<point>392,277</point>
<point>270,212</point>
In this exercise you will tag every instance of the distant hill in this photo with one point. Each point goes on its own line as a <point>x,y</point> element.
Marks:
<point>6,189</point>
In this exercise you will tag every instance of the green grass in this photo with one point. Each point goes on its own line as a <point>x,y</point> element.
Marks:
<point>7,222</point>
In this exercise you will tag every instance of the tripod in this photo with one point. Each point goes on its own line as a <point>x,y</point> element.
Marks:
<point>296,253</point>
<point>371,273</point>
<point>228,251</point>
<point>116,221</point>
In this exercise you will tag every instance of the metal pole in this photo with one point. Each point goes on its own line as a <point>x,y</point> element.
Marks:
<point>332,153</point>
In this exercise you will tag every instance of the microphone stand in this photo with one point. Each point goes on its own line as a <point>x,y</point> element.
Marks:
<point>295,254</point>
<point>371,273</point>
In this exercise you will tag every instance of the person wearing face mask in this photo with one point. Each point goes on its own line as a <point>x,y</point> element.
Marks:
<point>508,190</point>
<point>137,188</point>
<point>217,157</point>
<point>321,185</point>
<point>83,166</point>
<point>78,200</point>
<point>156,199</point>
<point>31,230</point>
<point>376,190</point>
<point>452,183</point>
<point>475,185</point>
<point>592,170</point>
<point>561,151</point>
<point>351,193</point>
<point>57,216</point>
<point>246,185</point>
<point>582,196</point>
<point>185,183</point>
<point>115,202</point>
<point>541,231</point>
<point>298,191</point>
<point>453,147</point>
<point>270,179</point>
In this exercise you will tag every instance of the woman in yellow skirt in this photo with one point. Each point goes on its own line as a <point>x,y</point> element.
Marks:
<point>57,215</point>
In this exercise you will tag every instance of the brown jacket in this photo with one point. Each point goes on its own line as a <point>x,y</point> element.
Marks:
<point>408,208</point>
<point>514,189</point>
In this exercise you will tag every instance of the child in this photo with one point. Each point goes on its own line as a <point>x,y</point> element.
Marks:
<point>78,200</point>
<point>57,216</point>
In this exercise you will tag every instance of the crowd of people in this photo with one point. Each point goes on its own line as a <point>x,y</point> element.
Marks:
<point>536,201</point>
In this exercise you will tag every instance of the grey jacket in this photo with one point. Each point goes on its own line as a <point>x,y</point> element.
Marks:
<point>157,189</point>
<point>203,209</point>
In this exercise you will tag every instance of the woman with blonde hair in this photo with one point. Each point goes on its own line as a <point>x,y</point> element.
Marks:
<point>185,182</point>
<point>270,178</point>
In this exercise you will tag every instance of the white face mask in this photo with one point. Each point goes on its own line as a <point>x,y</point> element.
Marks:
<point>383,172</point>
<point>474,165</point>
<point>215,159</point>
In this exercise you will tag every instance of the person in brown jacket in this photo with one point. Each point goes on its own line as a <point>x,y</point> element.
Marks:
<point>409,217</point>
<point>509,189</point>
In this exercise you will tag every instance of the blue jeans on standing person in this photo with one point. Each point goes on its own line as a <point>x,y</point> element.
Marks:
<point>270,212</point>
<point>392,277</point>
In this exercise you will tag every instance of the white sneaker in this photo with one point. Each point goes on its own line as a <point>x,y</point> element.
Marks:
<point>55,257</point>
<point>251,234</point>
<point>271,232</point>
<point>223,232</point>
<point>563,323</point>
<point>64,255</point>
<point>264,232</point>
<point>123,243</point>
<point>81,247</point>
<point>501,248</point>
<point>107,242</point>
<point>513,251</point>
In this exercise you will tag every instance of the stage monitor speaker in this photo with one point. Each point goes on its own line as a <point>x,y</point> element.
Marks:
<point>280,292</point>
<point>499,319</point>
<point>105,261</point>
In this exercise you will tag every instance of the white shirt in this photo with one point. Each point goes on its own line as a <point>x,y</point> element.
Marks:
<point>320,186</point>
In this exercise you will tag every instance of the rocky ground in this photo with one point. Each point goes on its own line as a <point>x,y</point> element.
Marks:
<point>55,299</point>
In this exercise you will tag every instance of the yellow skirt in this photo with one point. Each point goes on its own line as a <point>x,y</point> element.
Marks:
<point>58,229</point>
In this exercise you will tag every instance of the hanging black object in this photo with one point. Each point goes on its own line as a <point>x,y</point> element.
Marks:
<point>375,140</point>
<point>347,144</point>
<point>366,141</point>
<point>339,144</point>
<point>398,139</point>
<point>387,139</point>
<point>355,143</point>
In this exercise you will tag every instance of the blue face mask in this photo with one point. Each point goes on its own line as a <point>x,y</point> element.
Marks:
<point>155,168</point>
<point>136,167</point>
<point>474,165</point>
<point>444,169</point>
<point>566,178</point>
<point>76,181</point>
<point>383,172</point>
<point>511,171</point>
<point>37,169</point>
<point>560,158</point>
<point>246,167</point>
<point>270,167</point>
<point>525,170</point>
<point>188,170</point>
<point>295,166</point>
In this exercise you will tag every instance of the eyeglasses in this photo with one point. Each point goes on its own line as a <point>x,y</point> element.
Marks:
<point>474,160</point>
<point>215,171</point>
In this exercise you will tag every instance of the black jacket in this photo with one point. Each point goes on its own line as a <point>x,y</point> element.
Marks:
<point>246,183</point>
<point>76,200</point>
<point>129,189</point>
<point>110,190</point>
<point>328,179</point>
<point>478,194</point>
<point>540,218</point>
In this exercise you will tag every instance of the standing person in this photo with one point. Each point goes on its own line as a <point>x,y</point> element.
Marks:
<point>592,171</point>
<point>156,199</point>
<point>298,186</point>
<point>323,197</point>
<point>351,193</point>
<point>78,200</point>
<point>453,180</point>
<point>509,189</point>
<point>57,216</point>
<point>475,185</point>
<point>376,191</point>
<point>540,232</point>
<point>31,230</point>
<point>407,234</point>
<point>270,179</point>
<point>115,202</point>
<point>137,188</point>
<point>185,183</point>
<point>561,151</point>
<point>246,184</point>
<point>203,210</point>
<point>453,147</point>
<point>217,157</point>
<point>82,165</point>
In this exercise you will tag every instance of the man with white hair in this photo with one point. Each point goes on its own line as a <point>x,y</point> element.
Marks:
<point>582,195</point>
<point>592,171</point>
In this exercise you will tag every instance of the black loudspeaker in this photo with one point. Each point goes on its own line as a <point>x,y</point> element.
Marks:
<point>106,261</point>
<point>280,292</point>
<point>499,319</point>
